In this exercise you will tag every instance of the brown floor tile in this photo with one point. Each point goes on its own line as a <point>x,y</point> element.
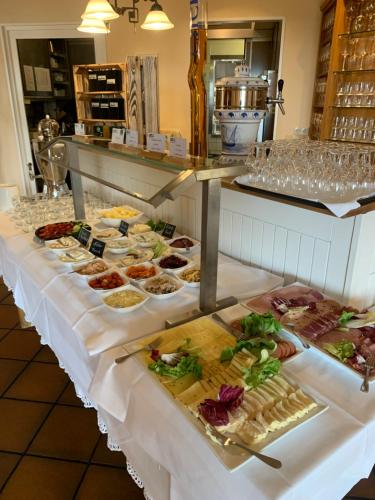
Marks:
<point>46,355</point>
<point>69,397</point>
<point>105,456</point>
<point>39,382</point>
<point>9,369</point>
<point>20,344</point>
<point>105,482</point>
<point>7,463</point>
<point>8,316</point>
<point>67,433</point>
<point>19,420</point>
<point>8,300</point>
<point>40,478</point>
<point>4,292</point>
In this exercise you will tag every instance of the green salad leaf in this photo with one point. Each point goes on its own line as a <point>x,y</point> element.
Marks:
<point>260,372</point>
<point>187,364</point>
<point>342,350</point>
<point>156,226</point>
<point>345,317</point>
<point>254,346</point>
<point>260,325</point>
<point>158,249</point>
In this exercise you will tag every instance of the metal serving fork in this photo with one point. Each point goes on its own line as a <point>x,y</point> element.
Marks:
<point>226,441</point>
<point>236,333</point>
<point>369,365</point>
<point>149,347</point>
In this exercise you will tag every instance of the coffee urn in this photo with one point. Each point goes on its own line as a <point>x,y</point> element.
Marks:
<point>53,176</point>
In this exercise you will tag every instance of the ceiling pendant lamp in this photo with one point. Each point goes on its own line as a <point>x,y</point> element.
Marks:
<point>93,26</point>
<point>99,9</point>
<point>157,19</point>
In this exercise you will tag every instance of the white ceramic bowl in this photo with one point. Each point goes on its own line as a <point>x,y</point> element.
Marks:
<point>62,250</point>
<point>136,263</point>
<point>115,222</point>
<point>115,234</point>
<point>120,250</point>
<point>192,284</point>
<point>141,239</point>
<point>145,264</point>
<point>183,250</point>
<point>80,263</point>
<point>102,290</point>
<point>170,269</point>
<point>163,296</point>
<point>76,267</point>
<point>125,310</point>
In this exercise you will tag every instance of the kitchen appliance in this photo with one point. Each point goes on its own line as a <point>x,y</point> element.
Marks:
<point>241,103</point>
<point>53,176</point>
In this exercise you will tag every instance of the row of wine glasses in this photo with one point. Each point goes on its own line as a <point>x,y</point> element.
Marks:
<point>323,170</point>
<point>355,94</point>
<point>360,16</point>
<point>353,128</point>
<point>320,91</point>
<point>323,59</point>
<point>316,124</point>
<point>358,53</point>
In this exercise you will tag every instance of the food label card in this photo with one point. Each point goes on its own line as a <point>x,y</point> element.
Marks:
<point>124,227</point>
<point>79,129</point>
<point>177,147</point>
<point>131,138</point>
<point>118,135</point>
<point>97,247</point>
<point>84,236</point>
<point>156,142</point>
<point>168,231</point>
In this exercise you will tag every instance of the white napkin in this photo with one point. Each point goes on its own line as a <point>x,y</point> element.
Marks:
<point>340,209</point>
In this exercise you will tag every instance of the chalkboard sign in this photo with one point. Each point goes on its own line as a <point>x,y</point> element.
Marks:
<point>124,228</point>
<point>97,247</point>
<point>168,231</point>
<point>84,236</point>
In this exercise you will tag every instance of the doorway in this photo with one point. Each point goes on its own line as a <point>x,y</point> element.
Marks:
<point>26,103</point>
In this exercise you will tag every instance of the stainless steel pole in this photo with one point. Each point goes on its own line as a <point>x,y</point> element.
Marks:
<point>76,179</point>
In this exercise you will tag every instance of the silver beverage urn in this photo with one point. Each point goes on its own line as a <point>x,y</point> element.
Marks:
<point>53,176</point>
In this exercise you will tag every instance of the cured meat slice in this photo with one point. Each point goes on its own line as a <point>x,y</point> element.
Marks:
<point>296,294</point>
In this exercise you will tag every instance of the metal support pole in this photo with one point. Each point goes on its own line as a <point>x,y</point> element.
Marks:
<point>77,189</point>
<point>211,193</point>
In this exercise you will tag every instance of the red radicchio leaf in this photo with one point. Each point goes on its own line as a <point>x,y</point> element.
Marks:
<point>231,396</point>
<point>155,355</point>
<point>214,412</point>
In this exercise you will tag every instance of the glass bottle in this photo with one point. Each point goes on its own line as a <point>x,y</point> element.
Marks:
<point>198,53</point>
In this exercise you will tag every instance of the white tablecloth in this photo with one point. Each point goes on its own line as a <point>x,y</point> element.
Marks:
<point>322,459</point>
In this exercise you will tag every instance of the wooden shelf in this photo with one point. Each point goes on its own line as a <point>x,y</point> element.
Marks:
<point>343,71</point>
<point>100,120</point>
<point>104,92</point>
<point>357,34</point>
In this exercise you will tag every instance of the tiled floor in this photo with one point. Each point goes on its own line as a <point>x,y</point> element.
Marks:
<point>50,446</point>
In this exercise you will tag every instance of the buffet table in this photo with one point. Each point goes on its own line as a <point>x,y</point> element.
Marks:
<point>321,459</point>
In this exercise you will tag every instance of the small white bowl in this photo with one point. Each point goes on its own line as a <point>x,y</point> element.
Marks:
<point>89,257</point>
<point>62,250</point>
<point>125,310</point>
<point>162,296</point>
<point>115,222</point>
<point>115,234</point>
<point>173,270</point>
<point>137,238</point>
<point>183,250</point>
<point>102,290</point>
<point>119,263</point>
<point>192,284</point>
<point>76,268</point>
<point>145,264</point>
<point>120,250</point>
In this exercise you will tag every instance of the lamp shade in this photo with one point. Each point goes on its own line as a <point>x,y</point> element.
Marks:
<point>157,19</point>
<point>93,26</point>
<point>99,9</point>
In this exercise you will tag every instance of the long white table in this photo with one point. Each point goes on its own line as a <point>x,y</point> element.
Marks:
<point>322,459</point>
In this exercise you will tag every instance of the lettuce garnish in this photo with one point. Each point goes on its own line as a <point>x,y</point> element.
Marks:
<point>260,372</point>
<point>254,346</point>
<point>345,317</point>
<point>342,350</point>
<point>260,325</point>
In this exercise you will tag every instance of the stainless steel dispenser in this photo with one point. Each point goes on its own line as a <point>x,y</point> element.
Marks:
<point>53,177</point>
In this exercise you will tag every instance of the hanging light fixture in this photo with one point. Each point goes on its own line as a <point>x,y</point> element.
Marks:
<point>93,26</point>
<point>157,19</point>
<point>100,9</point>
<point>104,10</point>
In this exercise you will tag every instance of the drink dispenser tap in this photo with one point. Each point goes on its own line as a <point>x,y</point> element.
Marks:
<point>279,100</point>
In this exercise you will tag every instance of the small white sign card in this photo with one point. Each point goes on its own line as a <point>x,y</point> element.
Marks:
<point>118,135</point>
<point>156,142</point>
<point>28,73</point>
<point>177,147</point>
<point>131,138</point>
<point>79,129</point>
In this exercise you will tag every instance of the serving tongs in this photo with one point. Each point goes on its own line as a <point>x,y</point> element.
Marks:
<point>226,441</point>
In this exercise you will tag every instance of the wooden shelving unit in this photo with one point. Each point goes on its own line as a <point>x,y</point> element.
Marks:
<point>344,97</point>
